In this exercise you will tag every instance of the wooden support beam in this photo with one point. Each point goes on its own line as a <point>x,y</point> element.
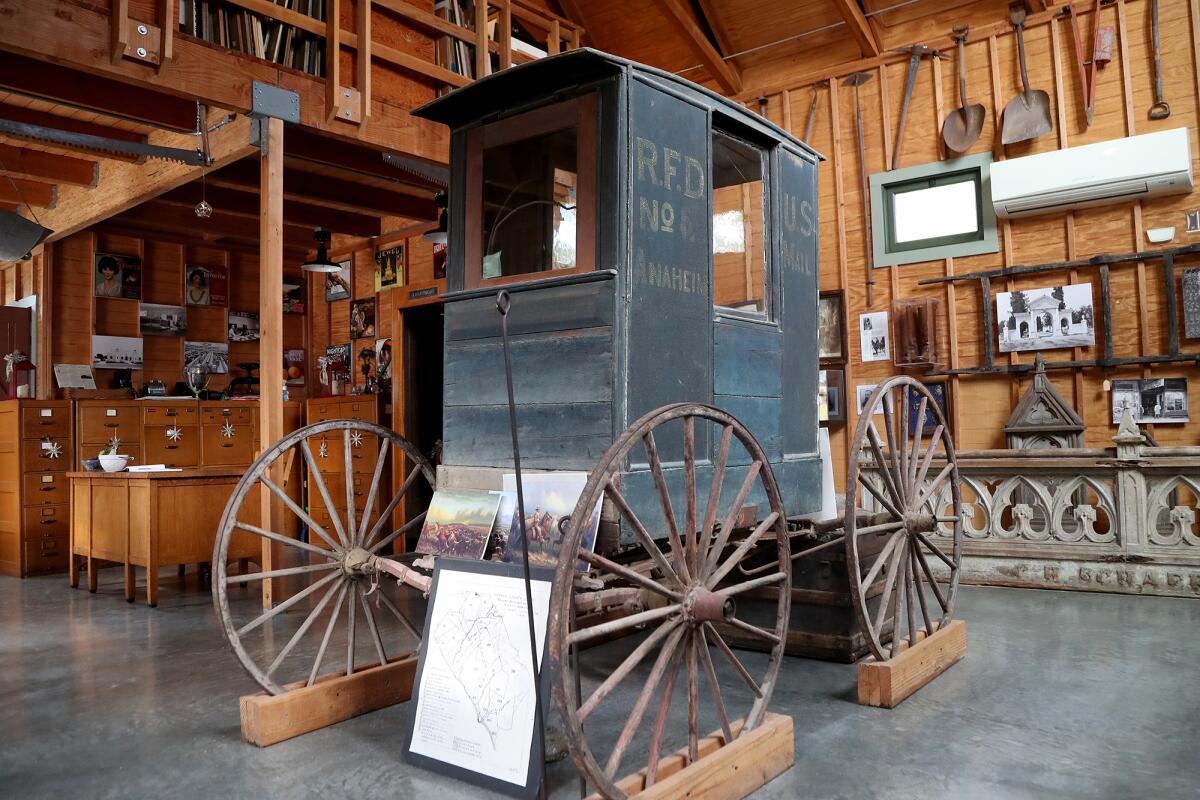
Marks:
<point>270,320</point>
<point>181,217</point>
<point>244,204</point>
<point>712,16</point>
<point>727,76</point>
<point>362,60</point>
<point>17,190</point>
<point>309,146</point>
<point>86,89</point>
<point>122,185</point>
<point>333,193</point>
<point>22,114</point>
<point>38,165</point>
<point>172,236</point>
<point>862,32</point>
<point>482,54</point>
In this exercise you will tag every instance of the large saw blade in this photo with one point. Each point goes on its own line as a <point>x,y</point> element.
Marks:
<point>87,141</point>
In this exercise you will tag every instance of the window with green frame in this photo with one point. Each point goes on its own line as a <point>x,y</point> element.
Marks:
<point>934,211</point>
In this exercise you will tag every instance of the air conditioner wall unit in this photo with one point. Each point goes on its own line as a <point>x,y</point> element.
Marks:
<point>1115,171</point>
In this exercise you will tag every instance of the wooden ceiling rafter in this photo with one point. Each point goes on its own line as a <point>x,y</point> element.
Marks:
<point>21,191</point>
<point>244,203</point>
<point>712,16</point>
<point>726,74</point>
<point>178,217</point>
<point>144,231</point>
<point>38,165</point>
<point>860,28</point>
<point>46,119</point>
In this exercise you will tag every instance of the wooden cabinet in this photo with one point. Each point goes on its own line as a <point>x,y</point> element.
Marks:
<point>103,423</point>
<point>228,433</point>
<point>171,434</point>
<point>36,451</point>
<point>329,454</point>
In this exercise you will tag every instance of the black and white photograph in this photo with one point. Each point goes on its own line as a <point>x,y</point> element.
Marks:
<point>209,356</point>
<point>833,381</point>
<point>159,320</point>
<point>873,336</point>
<point>1191,303</point>
<point>1160,401</point>
<point>1046,319</point>
<point>337,284</point>
<point>863,394</point>
<point>243,326</point>
<point>831,327</point>
<point>116,352</point>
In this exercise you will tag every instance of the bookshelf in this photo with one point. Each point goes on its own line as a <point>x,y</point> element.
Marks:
<point>286,32</point>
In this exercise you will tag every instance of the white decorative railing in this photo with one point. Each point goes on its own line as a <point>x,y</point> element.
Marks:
<point>1119,519</point>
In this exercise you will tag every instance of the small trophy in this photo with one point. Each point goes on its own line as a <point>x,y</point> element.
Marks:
<point>197,379</point>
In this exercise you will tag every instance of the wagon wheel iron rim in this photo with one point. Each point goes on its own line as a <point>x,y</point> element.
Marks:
<point>338,557</point>
<point>915,472</point>
<point>694,585</point>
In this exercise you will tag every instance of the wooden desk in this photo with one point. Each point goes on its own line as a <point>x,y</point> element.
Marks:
<point>152,518</point>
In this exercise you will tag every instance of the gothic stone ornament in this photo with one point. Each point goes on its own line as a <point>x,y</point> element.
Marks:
<point>227,430</point>
<point>174,433</point>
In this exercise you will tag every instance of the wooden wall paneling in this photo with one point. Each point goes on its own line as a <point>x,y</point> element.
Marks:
<point>885,121</point>
<point>837,163</point>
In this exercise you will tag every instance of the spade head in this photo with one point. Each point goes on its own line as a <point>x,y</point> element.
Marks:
<point>962,127</point>
<point>1027,116</point>
<point>856,79</point>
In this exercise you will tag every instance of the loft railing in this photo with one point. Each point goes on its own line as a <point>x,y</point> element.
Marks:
<point>471,43</point>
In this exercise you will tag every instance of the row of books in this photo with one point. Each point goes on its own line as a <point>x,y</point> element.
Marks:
<point>228,25</point>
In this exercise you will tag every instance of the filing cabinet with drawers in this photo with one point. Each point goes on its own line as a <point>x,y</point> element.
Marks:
<point>36,452</point>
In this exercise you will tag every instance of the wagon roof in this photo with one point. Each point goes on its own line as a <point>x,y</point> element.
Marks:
<point>508,90</point>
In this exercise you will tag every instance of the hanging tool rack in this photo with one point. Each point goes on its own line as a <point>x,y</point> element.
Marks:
<point>1103,264</point>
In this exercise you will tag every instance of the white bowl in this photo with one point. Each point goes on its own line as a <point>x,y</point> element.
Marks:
<point>114,463</point>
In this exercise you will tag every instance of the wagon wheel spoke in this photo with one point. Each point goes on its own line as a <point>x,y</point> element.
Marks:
<point>314,470</point>
<point>350,631</point>
<point>660,720</point>
<point>714,685</point>
<point>889,424</point>
<point>937,551</point>
<point>403,529</point>
<point>333,617</point>
<point>928,459</point>
<point>348,473</point>
<point>303,629</point>
<point>898,604</point>
<point>937,592</point>
<point>299,512</point>
<point>910,586</point>
<point>285,605</point>
<point>623,623</point>
<point>713,507</point>
<point>403,620</point>
<point>931,490</point>
<point>885,474</point>
<point>369,614</point>
<point>628,574</point>
<point>285,540</point>
<point>639,708</point>
<point>888,584</point>
<point>664,499</point>
<point>900,459</point>
<point>753,630</point>
<point>914,451</point>
<point>726,651</point>
<point>742,549</point>
<point>693,681</point>
<point>280,573</point>
<point>689,491</point>
<point>714,553</point>
<point>766,580</point>
<point>665,567</point>
<point>915,573</point>
<point>627,666</point>
<point>369,505</point>
<point>878,495</point>
<point>391,506</point>
<point>882,559</point>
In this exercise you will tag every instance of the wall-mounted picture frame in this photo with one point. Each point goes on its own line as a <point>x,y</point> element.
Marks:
<point>118,276</point>
<point>831,327</point>
<point>874,338</point>
<point>941,396</point>
<point>205,286</point>
<point>337,284</point>
<point>863,394</point>
<point>362,319</point>
<point>116,352</point>
<point>389,268</point>
<point>160,320</point>
<point>1046,319</point>
<point>209,356</point>
<point>1154,401</point>
<point>293,298</point>
<point>243,326</point>
<point>383,361</point>
<point>834,411</point>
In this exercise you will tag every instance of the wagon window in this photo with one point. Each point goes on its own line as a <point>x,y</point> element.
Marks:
<point>532,179</point>
<point>739,254</point>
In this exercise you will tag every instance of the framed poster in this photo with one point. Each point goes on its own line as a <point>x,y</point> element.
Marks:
<point>362,319</point>
<point>873,337</point>
<point>389,268</point>
<point>831,327</point>
<point>439,261</point>
<point>118,276</point>
<point>338,357</point>
<point>383,361</point>
<point>337,284</point>
<point>116,352</point>
<point>940,396</point>
<point>459,523</point>
<point>293,367</point>
<point>205,286</point>
<point>1046,319</point>
<point>474,695</point>
<point>157,320</point>
<point>550,499</point>
<point>293,298</point>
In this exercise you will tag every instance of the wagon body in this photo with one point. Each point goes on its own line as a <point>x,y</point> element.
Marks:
<point>630,324</point>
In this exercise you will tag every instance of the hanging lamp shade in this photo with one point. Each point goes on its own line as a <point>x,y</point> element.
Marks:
<point>438,235</point>
<point>18,236</point>
<point>321,262</point>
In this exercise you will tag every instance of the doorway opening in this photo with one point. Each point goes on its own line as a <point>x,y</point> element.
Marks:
<point>420,419</point>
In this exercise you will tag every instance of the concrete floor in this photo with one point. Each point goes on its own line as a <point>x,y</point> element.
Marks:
<point>1061,695</point>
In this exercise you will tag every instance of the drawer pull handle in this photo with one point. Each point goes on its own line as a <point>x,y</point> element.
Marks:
<point>172,447</point>
<point>227,445</point>
<point>172,412</point>
<point>112,424</point>
<point>225,412</point>
<point>46,489</point>
<point>45,422</point>
<point>48,521</point>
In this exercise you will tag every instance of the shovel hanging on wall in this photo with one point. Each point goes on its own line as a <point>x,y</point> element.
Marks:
<point>1027,116</point>
<point>964,124</point>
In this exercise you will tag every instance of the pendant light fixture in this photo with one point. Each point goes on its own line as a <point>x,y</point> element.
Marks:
<point>438,235</point>
<point>321,262</point>
<point>18,236</point>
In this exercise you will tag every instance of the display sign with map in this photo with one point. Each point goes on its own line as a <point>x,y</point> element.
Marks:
<point>474,691</point>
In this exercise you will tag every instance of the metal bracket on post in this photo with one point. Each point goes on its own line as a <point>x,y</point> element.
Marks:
<point>269,102</point>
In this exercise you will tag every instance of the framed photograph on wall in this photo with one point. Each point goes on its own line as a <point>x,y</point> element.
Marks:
<point>293,298</point>
<point>389,268</point>
<point>118,276</point>
<point>209,356</point>
<point>873,337</point>
<point>835,396</point>
<point>243,326</point>
<point>383,361</point>
<point>941,396</point>
<point>337,284</point>
<point>362,319</point>
<point>1046,319</point>
<point>157,320</point>
<point>1157,401</point>
<point>863,394</point>
<point>831,327</point>
<point>205,286</point>
<point>116,352</point>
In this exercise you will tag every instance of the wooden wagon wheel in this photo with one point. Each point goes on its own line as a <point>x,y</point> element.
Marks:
<point>336,567</point>
<point>688,593</point>
<point>896,545</point>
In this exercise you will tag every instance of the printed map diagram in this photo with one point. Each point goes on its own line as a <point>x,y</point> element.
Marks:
<point>474,639</point>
